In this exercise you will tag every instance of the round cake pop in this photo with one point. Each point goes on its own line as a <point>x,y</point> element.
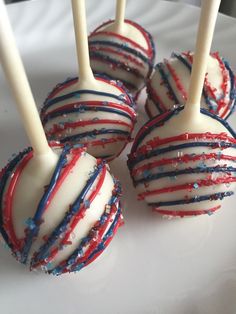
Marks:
<point>168,85</point>
<point>101,120</point>
<point>182,172</point>
<point>59,208</point>
<point>94,111</point>
<point>123,50</point>
<point>69,216</point>
<point>183,161</point>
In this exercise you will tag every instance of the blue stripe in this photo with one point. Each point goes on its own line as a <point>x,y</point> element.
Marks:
<point>3,182</point>
<point>184,61</point>
<point>83,108</point>
<point>150,97</point>
<point>49,102</point>
<point>172,112</point>
<point>176,173</point>
<point>149,129</point>
<point>31,233</point>
<point>97,76</point>
<point>117,63</point>
<point>196,199</point>
<point>126,85</point>
<point>92,134</point>
<point>164,76</point>
<point>209,101</point>
<point>72,211</point>
<point>232,89</point>
<point>222,121</point>
<point>121,47</point>
<point>101,246</point>
<point>79,252</point>
<point>155,152</point>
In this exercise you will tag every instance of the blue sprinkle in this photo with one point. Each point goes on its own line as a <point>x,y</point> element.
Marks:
<point>146,173</point>
<point>71,261</point>
<point>30,223</point>
<point>86,203</point>
<point>196,186</point>
<point>78,145</point>
<point>55,272</point>
<point>210,213</point>
<point>79,267</point>
<point>202,165</point>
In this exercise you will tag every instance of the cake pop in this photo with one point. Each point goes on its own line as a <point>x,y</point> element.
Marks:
<point>122,49</point>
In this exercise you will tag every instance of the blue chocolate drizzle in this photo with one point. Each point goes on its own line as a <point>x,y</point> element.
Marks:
<point>82,108</point>
<point>176,173</point>
<point>3,181</point>
<point>71,262</point>
<point>93,134</point>
<point>74,209</point>
<point>196,199</point>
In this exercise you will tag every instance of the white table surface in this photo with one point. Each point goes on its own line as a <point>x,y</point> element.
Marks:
<point>183,266</point>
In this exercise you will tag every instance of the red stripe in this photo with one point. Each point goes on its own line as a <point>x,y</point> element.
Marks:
<point>149,124</point>
<point>7,209</point>
<point>156,142</point>
<point>96,104</point>
<point>67,170</point>
<point>8,221</point>
<point>148,51</point>
<point>122,65</point>
<point>179,213</point>
<point>61,87</point>
<point>73,125</point>
<point>108,141</point>
<point>106,243</point>
<point>207,86</point>
<point>93,244</point>
<point>119,53</point>
<point>212,90</point>
<point>224,85</point>
<point>154,97</point>
<point>185,158</point>
<point>187,186</point>
<point>177,80</point>
<point>75,220</point>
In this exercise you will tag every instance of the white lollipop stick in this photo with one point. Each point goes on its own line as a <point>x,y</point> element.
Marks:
<point>206,28</point>
<point>15,73</point>
<point>120,15</point>
<point>86,78</point>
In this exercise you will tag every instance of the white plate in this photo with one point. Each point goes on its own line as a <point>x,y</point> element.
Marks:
<point>185,266</point>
